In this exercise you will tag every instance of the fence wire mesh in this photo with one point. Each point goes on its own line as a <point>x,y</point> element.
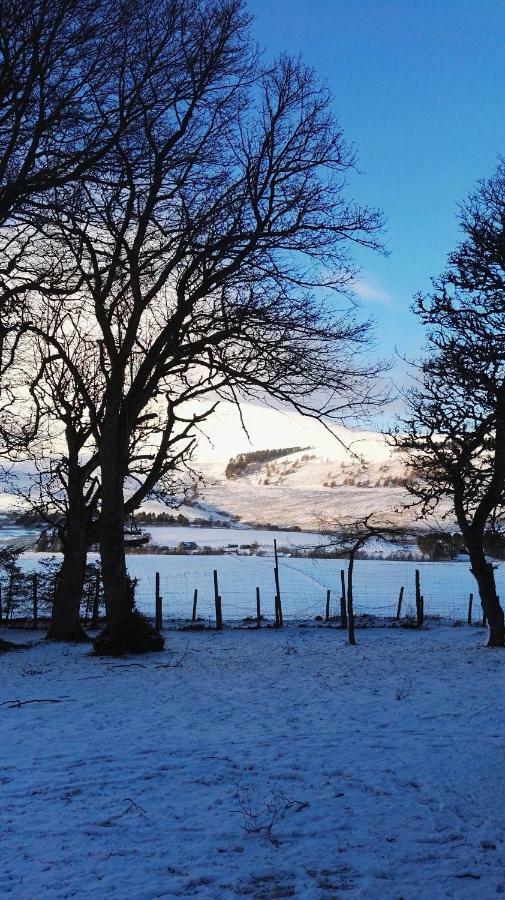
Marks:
<point>304,583</point>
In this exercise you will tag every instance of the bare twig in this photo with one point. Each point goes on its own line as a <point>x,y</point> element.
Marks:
<point>16,704</point>
<point>174,664</point>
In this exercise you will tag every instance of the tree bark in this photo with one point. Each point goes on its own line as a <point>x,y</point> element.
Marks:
<point>116,585</point>
<point>483,572</point>
<point>65,621</point>
<point>126,630</point>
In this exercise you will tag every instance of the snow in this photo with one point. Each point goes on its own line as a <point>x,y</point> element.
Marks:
<point>295,495</point>
<point>172,535</point>
<point>445,585</point>
<point>380,765</point>
<point>223,436</point>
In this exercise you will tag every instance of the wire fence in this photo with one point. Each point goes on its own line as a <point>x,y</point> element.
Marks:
<point>309,589</point>
<point>304,585</point>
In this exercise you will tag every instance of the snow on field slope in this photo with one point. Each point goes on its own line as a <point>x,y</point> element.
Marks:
<point>304,583</point>
<point>301,488</point>
<point>345,473</point>
<point>260,765</point>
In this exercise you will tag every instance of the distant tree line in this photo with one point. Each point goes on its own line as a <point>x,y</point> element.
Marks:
<point>237,465</point>
<point>437,546</point>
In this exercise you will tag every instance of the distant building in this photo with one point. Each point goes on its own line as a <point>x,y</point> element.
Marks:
<point>187,546</point>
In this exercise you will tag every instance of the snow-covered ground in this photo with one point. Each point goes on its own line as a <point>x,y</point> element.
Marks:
<point>259,764</point>
<point>304,582</point>
<point>172,535</point>
<point>13,536</point>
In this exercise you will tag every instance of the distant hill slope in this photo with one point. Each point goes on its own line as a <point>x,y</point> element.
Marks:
<point>342,474</point>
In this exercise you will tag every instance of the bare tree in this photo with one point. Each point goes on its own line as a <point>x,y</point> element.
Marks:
<point>349,536</point>
<point>45,429</point>
<point>69,77</point>
<point>454,433</point>
<point>203,258</point>
<point>72,77</point>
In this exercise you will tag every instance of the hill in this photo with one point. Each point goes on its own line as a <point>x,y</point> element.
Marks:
<point>343,472</point>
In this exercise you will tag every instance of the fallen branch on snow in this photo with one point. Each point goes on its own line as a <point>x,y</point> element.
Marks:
<point>16,704</point>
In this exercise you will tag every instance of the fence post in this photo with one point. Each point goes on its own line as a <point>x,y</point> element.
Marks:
<point>279,622</point>
<point>217,603</point>
<point>399,607</point>
<point>343,601</point>
<point>35,602</point>
<point>278,603</point>
<point>1,607</point>
<point>327,616</point>
<point>470,604</point>
<point>419,601</point>
<point>96,601</point>
<point>258,608</point>
<point>350,602</point>
<point>159,604</point>
<point>195,600</point>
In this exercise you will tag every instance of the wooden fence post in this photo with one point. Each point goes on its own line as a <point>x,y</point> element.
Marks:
<point>217,603</point>
<point>35,601</point>
<point>419,601</point>
<point>159,604</point>
<point>96,602</point>
<point>343,601</point>
<point>278,603</point>
<point>258,608</point>
<point>327,616</point>
<point>399,607</point>
<point>470,604</point>
<point>195,600</point>
<point>350,602</point>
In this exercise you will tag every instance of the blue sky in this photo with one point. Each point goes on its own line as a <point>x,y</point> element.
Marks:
<point>419,89</point>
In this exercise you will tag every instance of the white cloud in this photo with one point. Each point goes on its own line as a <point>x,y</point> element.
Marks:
<point>368,289</point>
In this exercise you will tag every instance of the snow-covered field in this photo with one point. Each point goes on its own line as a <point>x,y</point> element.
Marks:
<point>172,535</point>
<point>304,582</point>
<point>258,764</point>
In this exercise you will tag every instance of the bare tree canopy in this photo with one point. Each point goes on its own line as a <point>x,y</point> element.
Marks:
<point>208,256</point>
<point>64,92</point>
<point>454,433</point>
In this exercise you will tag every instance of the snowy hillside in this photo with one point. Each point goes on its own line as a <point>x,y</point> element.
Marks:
<point>338,474</point>
<point>341,472</point>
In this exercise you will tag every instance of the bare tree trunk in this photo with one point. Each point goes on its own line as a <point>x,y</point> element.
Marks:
<point>126,630</point>
<point>483,572</point>
<point>65,621</point>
